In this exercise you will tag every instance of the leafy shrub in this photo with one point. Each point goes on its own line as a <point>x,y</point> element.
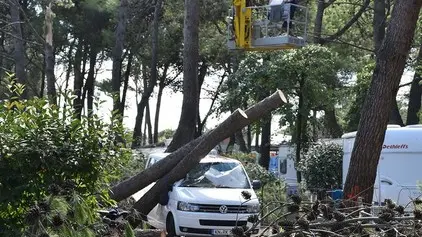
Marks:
<point>321,166</point>
<point>44,148</point>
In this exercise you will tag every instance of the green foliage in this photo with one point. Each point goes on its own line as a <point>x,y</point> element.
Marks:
<point>321,166</point>
<point>43,146</point>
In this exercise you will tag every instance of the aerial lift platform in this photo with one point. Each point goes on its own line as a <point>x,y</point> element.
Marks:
<point>268,27</point>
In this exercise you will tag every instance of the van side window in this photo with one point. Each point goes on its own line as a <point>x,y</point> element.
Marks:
<point>283,166</point>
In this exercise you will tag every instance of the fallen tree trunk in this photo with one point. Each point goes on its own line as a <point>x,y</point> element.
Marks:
<point>139,181</point>
<point>233,123</point>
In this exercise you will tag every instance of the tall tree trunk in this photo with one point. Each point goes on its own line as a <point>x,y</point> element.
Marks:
<point>125,85</point>
<point>257,133</point>
<point>69,65</point>
<point>415,93</point>
<point>264,160</point>
<point>49,56</point>
<point>78,80</point>
<point>19,49</point>
<point>149,87</point>
<point>89,85</point>
<point>249,138</point>
<point>299,122</point>
<point>379,23</point>
<point>116,75</point>
<point>318,21</point>
<point>187,124</point>
<point>240,140</point>
<point>331,123</point>
<point>157,109</point>
<point>389,68</point>
<point>201,78</point>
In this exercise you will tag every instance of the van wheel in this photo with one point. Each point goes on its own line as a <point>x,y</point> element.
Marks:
<point>171,228</point>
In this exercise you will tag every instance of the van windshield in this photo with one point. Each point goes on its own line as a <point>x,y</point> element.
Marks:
<point>217,175</point>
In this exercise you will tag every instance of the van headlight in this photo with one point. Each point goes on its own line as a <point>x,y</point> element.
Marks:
<point>184,206</point>
<point>255,208</point>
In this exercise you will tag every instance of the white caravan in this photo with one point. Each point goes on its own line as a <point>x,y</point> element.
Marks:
<point>399,167</point>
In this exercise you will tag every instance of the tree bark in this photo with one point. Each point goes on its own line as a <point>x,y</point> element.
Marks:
<point>415,93</point>
<point>264,160</point>
<point>235,122</point>
<point>187,123</point>
<point>141,180</point>
<point>389,68</point>
<point>149,88</point>
<point>19,49</point>
<point>49,56</point>
<point>116,75</point>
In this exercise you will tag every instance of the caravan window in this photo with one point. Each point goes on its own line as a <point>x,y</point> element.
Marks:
<point>283,166</point>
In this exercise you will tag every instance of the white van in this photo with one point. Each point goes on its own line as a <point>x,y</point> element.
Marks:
<point>208,202</point>
<point>399,168</point>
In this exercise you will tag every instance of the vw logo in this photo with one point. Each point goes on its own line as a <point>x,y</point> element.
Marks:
<point>223,209</point>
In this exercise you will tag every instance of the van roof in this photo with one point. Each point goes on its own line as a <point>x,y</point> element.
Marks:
<point>394,129</point>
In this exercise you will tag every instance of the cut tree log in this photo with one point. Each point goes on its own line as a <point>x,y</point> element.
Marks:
<point>238,120</point>
<point>139,181</point>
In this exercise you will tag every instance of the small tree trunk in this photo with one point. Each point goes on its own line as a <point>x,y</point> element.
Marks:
<point>19,49</point>
<point>395,116</point>
<point>117,53</point>
<point>90,80</point>
<point>157,110</point>
<point>194,149</point>
<point>125,86</point>
<point>389,68</point>
<point>264,160</point>
<point>69,65</point>
<point>187,123</point>
<point>415,93</point>
<point>148,123</point>
<point>78,81</point>
<point>49,56</point>
<point>258,131</point>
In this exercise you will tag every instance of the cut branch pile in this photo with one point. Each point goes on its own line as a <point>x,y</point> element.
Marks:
<point>334,219</point>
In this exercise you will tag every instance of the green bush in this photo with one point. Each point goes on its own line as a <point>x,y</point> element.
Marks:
<point>44,148</point>
<point>321,166</point>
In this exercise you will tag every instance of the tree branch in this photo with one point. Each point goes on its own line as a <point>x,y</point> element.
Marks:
<point>349,24</point>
